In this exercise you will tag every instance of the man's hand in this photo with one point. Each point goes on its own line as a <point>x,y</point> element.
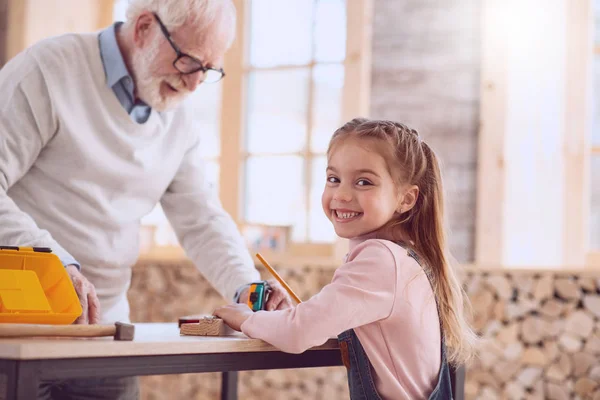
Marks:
<point>87,297</point>
<point>234,315</point>
<point>279,299</point>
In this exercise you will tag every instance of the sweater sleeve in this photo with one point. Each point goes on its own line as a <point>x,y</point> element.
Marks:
<point>27,124</point>
<point>205,230</point>
<point>362,291</point>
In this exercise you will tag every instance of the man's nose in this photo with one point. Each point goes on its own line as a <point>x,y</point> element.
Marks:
<point>193,80</point>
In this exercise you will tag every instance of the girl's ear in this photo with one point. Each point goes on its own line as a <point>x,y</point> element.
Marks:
<point>408,200</point>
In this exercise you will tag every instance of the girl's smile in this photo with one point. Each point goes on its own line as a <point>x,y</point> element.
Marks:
<point>360,195</point>
<point>344,215</point>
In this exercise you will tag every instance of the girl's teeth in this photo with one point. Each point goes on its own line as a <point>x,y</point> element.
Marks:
<point>346,215</point>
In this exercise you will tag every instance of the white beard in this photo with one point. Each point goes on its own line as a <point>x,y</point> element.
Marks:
<point>148,85</point>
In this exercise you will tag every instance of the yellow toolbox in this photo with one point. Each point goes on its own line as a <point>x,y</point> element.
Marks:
<point>35,288</point>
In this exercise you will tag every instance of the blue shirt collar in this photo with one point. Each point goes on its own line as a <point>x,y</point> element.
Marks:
<point>112,59</point>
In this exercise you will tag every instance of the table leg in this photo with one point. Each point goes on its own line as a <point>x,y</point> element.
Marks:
<point>229,385</point>
<point>19,380</point>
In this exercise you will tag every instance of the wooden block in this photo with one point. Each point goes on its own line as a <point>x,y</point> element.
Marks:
<point>556,392</point>
<point>543,288</point>
<point>580,323</point>
<point>585,387</point>
<point>567,289</point>
<point>582,362</point>
<point>207,326</point>
<point>592,303</point>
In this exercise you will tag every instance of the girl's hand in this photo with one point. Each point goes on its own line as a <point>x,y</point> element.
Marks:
<point>234,315</point>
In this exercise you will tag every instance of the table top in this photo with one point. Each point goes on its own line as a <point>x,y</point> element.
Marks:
<point>150,339</point>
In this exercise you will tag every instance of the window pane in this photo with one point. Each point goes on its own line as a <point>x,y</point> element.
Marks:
<point>275,193</point>
<point>205,104</point>
<point>327,106</point>
<point>277,109</point>
<point>595,212</point>
<point>320,228</point>
<point>280,32</point>
<point>330,31</point>
<point>119,10</point>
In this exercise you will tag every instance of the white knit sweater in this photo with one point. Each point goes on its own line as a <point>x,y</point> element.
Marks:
<point>77,174</point>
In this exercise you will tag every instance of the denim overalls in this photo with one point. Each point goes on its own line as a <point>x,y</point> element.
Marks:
<point>359,367</point>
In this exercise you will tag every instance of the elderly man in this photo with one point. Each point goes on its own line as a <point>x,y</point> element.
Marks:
<point>93,135</point>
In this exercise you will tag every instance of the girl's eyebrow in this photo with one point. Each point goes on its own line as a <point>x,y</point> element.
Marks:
<point>367,171</point>
<point>360,171</point>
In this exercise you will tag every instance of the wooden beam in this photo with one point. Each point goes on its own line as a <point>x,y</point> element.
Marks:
<point>489,241</point>
<point>232,117</point>
<point>592,260</point>
<point>30,21</point>
<point>597,49</point>
<point>595,149</point>
<point>3,30</point>
<point>16,28</point>
<point>105,13</point>
<point>357,75</point>
<point>357,78</point>
<point>578,124</point>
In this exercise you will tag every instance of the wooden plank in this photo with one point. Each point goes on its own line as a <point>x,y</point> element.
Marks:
<point>3,30</point>
<point>592,260</point>
<point>490,172</point>
<point>17,26</point>
<point>232,116</point>
<point>105,13</point>
<point>30,21</point>
<point>150,339</point>
<point>595,149</point>
<point>578,125</point>
<point>357,65</point>
<point>250,68</point>
<point>357,76</point>
<point>306,154</point>
<point>207,326</point>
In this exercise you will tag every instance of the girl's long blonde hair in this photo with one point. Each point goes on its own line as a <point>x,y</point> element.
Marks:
<point>410,160</point>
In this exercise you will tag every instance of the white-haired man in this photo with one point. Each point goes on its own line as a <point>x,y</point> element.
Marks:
<point>92,138</point>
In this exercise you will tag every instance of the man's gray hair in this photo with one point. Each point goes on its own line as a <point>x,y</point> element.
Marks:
<point>175,13</point>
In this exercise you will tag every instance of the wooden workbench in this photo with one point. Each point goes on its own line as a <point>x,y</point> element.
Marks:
<point>156,350</point>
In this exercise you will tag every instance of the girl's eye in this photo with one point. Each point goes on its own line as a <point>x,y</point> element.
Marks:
<point>333,179</point>
<point>363,182</point>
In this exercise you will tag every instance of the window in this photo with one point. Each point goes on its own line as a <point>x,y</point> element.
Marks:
<point>295,79</point>
<point>294,74</point>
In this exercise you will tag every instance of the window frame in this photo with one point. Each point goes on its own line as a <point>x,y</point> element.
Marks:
<point>355,98</point>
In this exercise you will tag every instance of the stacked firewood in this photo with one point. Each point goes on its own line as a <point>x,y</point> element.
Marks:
<point>541,335</point>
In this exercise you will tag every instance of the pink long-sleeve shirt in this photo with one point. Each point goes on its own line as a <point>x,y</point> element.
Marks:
<point>384,295</point>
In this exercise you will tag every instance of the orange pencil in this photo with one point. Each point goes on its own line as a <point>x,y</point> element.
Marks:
<point>279,278</point>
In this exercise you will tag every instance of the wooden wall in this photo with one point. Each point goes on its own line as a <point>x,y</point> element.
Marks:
<point>426,73</point>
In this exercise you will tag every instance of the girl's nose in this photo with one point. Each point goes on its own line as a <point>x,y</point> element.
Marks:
<point>342,194</point>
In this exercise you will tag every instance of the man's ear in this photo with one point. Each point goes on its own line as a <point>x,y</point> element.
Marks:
<point>408,200</point>
<point>143,28</point>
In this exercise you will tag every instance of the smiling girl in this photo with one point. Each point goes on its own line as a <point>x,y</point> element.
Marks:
<point>395,304</point>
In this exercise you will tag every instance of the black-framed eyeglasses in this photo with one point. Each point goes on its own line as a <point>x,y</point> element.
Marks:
<point>186,64</point>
